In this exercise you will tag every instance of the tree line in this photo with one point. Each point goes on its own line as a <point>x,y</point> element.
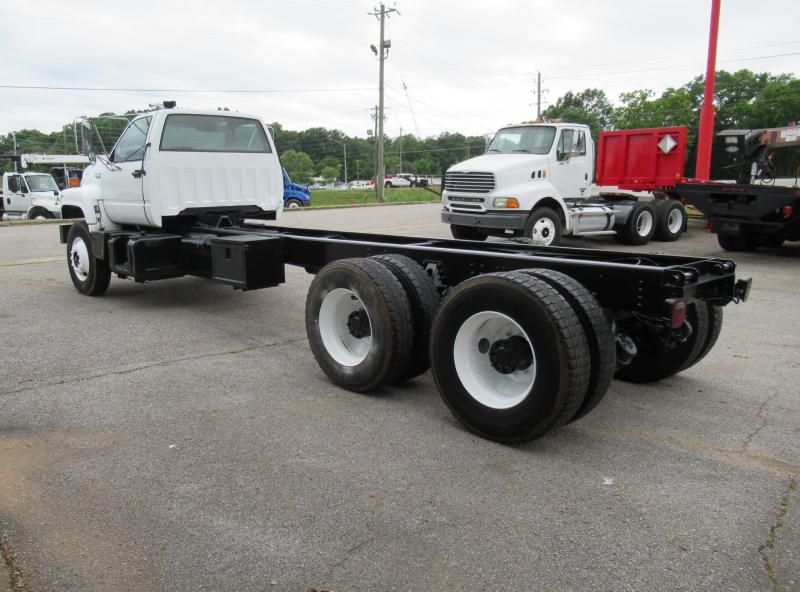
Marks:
<point>744,99</point>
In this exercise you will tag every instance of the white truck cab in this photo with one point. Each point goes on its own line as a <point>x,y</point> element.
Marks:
<point>535,181</point>
<point>30,196</point>
<point>176,164</point>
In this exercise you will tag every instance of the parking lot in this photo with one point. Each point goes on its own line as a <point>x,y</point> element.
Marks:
<point>180,436</point>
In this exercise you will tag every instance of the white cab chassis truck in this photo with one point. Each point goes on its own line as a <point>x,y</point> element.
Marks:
<point>30,196</point>
<point>520,340</point>
<point>534,181</point>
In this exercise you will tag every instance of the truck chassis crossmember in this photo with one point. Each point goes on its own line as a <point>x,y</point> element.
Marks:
<point>525,340</point>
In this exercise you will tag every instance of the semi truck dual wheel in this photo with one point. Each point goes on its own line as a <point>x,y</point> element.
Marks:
<point>424,301</point>
<point>714,329</point>
<point>655,361</point>
<point>509,356</point>
<point>639,226</point>
<point>90,276</point>
<point>359,324</point>
<point>467,233</point>
<point>596,325</point>
<point>670,219</point>
<point>543,228</point>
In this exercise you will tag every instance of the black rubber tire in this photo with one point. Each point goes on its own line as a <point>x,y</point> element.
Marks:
<point>629,233</point>
<point>467,233</point>
<point>293,200</point>
<point>389,311</point>
<point>424,300</point>
<point>714,329</point>
<point>99,276</point>
<point>732,242</point>
<point>596,325</point>
<point>664,208</point>
<point>559,345</point>
<point>655,362</point>
<point>544,213</point>
<point>388,184</point>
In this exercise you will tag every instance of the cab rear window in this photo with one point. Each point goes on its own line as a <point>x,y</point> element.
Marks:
<point>211,133</point>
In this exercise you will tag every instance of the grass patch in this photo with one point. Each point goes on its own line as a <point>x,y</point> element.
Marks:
<point>349,197</point>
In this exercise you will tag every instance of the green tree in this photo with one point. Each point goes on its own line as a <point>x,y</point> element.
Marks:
<point>590,106</point>
<point>328,162</point>
<point>299,166</point>
<point>329,174</point>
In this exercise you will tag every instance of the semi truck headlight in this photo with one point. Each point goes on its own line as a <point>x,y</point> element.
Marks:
<point>506,202</point>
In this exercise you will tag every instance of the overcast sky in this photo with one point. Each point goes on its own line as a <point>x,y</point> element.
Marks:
<point>468,66</point>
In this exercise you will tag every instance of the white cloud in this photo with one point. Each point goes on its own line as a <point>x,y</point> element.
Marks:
<point>468,66</point>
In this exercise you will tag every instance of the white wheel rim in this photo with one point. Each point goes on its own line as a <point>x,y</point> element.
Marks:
<point>675,220</point>
<point>294,204</point>
<point>484,383</point>
<point>343,346</point>
<point>40,217</point>
<point>543,232</point>
<point>644,223</point>
<point>79,259</point>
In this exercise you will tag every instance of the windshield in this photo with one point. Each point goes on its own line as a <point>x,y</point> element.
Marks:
<point>41,183</point>
<point>523,140</point>
<point>211,133</point>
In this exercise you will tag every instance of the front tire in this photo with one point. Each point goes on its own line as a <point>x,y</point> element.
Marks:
<point>509,356</point>
<point>543,228</point>
<point>90,276</point>
<point>293,203</point>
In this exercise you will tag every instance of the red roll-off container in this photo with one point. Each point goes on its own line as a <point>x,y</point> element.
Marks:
<point>641,159</point>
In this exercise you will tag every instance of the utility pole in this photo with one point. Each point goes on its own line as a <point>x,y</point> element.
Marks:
<point>539,92</point>
<point>382,51</point>
<point>344,146</point>
<point>14,136</point>
<point>401,150</point>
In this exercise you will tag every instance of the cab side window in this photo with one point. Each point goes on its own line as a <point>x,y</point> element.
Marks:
<point>16,184</point>
<point>571,143</point>
<point>130,145</point>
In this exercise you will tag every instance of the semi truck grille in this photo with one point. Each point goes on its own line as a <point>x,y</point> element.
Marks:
<point>469,182</point>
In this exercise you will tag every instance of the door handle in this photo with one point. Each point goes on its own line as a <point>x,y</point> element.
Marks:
<point>138,173</point>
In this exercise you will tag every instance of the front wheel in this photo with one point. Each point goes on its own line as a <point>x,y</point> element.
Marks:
<point>388,184</point>
<point>543,228</point>
<point>293,203</point>
<point>90,276</point>
<point>39,214</point>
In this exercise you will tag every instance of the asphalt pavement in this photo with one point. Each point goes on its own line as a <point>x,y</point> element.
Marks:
<point>179,436</point>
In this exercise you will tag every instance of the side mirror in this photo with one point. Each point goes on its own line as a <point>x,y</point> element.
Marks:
<point>92,158</point>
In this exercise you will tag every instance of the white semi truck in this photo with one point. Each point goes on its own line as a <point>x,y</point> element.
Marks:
<point>520,340</point>
<point>535,181</point>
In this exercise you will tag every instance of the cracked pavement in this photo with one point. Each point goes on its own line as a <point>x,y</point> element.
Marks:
<point>180,436</point>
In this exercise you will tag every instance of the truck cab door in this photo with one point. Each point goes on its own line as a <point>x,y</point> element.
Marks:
<point>571,174</point>
<point>17,198</point>
<point>122,188</point>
